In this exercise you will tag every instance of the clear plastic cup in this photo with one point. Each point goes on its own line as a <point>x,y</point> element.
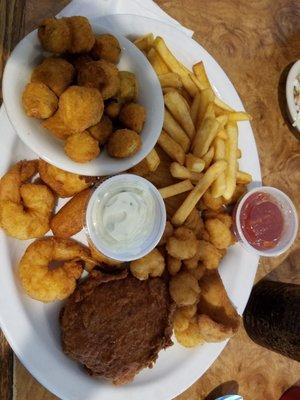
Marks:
<point>290,226</point>
<point>144,243</point>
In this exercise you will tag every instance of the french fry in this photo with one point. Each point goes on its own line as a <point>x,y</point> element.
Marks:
<point>222,134</point>
<point>170,79</point>
<point>218,102</point>
<point>205,136</point>
<point>231,153</point>
<point>206,96</point>
<point>208,157</point>
<point>219,185</point>
<point>201,75</point>
<point>239,116</point>
<point>175,189</point>
<point>180,172</point>
<point>238,154</point>
<point>152,160</point>
<point>243,178</point>
<point>144,42</point>
<point>174,130</point>
<point>174,65</point>
<point>185,95</point>
<point>222,119</point>
<point>173,149</point>
<point>178,108</point>
<point>158,64</point>
<point>193,163</point>
<point>210,112</point>
<point>195,195</point>
<point>195,108</point>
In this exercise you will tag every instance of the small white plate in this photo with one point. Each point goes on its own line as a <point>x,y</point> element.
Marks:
<point>292,75</point>
<point>32,328</point>
<point>27,54</point>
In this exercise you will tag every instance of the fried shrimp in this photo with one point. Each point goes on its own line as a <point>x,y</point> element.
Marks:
<point>25,208</point>
<point>64,183</point>
<point>45,284</point>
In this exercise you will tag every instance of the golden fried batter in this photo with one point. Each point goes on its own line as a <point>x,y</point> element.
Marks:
<point>184,289</point>
<point>81,107</point>
<point>173,265</point>
<point>219,233</point>
<point>102,130</point>
<point>57,127</point>
<point>151,265</point>
<point>113,109</point>
<point>56,73</point>
<point>123,143</point>
<point>79,60</point>
<point>107,48</point>
<point>64,183</point>
<point>128,87</point>
<point>92,75</point>
<point>209,255</point>
<point>25,208</point>
<point>82,147</point>
<point>55,35</point>
<point>183,244</point>
<point>39,101</point>
<point>82,36</point>
<point>133,116</point>
<point>101,258</point>
<point>112,82</point>
<point>45,284</point>
<point>70,218</point>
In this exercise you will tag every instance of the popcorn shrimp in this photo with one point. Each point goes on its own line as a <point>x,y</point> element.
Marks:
<point>25,208</point>
<point>49,284</point>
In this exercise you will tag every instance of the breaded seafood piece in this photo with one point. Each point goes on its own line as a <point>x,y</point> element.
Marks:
<point>25,208</point>
<point>209,255</point>
<point>55,35</point>
<point>113,109</point>
<point>81,107</point>
<point>82,36</point>
<point>102,130</point>
<point>184,289</point>
<point>112,82</point>
<point>70,218</point>
<point>64,183</point>
<point>219,233</point>
<point>217,317</point>
<point>128,87</point>
<point>115,325</point>
<point>183,244</point>
<point>79,60</point>
<point>151,265</point>
<point>56,126</point>
<point>107,48</point>
<point>123,143</point>
<point>43,283</point>
<point>39,101</point>
<point>56,73</point>
<point>81,147</point>
<point>133,116</point>
<point>92,75</point>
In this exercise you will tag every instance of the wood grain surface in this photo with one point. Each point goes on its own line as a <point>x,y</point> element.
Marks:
<point>255,43</point>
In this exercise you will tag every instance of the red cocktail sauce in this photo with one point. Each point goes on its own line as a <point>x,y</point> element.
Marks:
<point>261,221</point>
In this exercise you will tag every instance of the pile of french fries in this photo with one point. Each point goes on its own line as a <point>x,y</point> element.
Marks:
<point>200,132</point>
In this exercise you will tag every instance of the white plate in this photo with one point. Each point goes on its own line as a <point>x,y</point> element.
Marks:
<point>32,328</point>
<point>28,54</point>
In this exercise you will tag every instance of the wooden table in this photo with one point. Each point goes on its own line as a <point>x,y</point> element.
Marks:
<point>255,42</point>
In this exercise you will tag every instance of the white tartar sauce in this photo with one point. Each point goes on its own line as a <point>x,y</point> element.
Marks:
<point>124,216</point>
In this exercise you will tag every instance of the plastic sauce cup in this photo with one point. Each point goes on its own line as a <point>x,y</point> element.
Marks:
<point>132,251</point>
<point>290,222</point>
